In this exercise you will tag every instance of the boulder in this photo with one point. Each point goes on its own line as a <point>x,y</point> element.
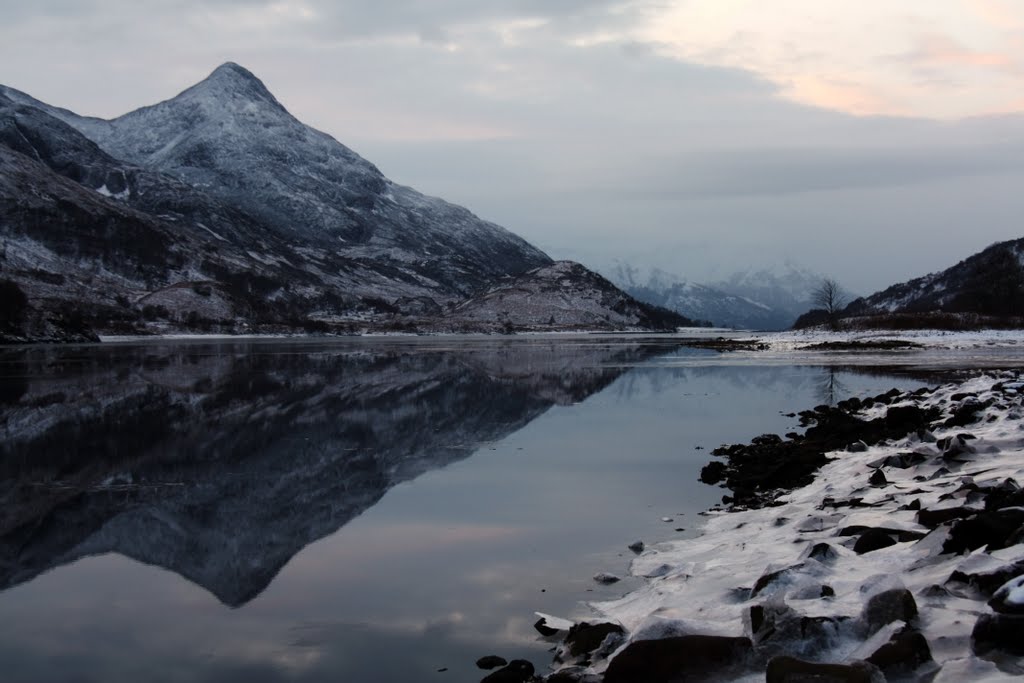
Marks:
<point>988,582</point>
<point>933,518</point>
<point>872,540</point>
<point>771,581</point>
<point>490,662</point>
<point>998,632</point>
<point>823,552</point>
<point>895,604</point>
<point>517,671</point>
<point>584,638</point>
<point>542,627</point>
<point>905,418</point>
<point>967,412</point>
<point>1009,598</point>
<point>685,659</point>
<point>991,528</point>
<point>905,652</point>
<point>779,629</point>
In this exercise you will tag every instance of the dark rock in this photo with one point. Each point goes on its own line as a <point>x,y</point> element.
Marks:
<point>1001,602</point>
<point>878,479</point>
<point>914,505</point>
<point>902,461</point>
<point>895,604</point>
<point>1007,494</point>
<point>906,418</point>
<point>934,591</point>
<point>713,472</point>
<point>637,547</point>
<point>823,552</point>
<point>490,662</point>
<point>606,579</point>
<point>993,529</point>
<point>681,659</point>
<point>758,472</point>
<point>988,582</point>
<point>905,652</point>
<point>517,671</point>
<point>1016,538</point>
<point>851,404</point>
<point>827,591</point>
<point>967,412</point>
<point>542,627</point>
<point>779,628</point>
<point>584,637</point>
<point>786,669</point>
<point>933,518</point>
<point>871,540</point>
<point>772,578</point>
<point>955,446</point>
<point>998,632</point>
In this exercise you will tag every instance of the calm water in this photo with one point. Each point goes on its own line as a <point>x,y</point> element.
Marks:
<point>372,510</point>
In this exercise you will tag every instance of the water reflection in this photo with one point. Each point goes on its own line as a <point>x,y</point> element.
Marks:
<point>215,465</point>
<point>220,463</point>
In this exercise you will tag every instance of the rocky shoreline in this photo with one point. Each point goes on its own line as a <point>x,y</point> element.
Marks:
<point>885,543</point>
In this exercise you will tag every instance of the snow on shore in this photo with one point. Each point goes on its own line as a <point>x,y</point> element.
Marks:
<point>936,339</point>
<point>710,584</point>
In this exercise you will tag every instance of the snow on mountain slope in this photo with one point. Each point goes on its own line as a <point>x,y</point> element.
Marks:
<point>990,282</point>
<point>230,137</point>
<point>217,209</point>
<point>731,303</point>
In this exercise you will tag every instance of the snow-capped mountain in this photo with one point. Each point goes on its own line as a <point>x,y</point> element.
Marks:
<point>218,209</point>
<point>785,287</point>
<point>763,298</point>
<point>989,283</point>
<point>231,463</point>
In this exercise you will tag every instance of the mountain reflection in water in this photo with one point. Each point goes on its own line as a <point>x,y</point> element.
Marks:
<point>324,492</point>
<point>220,462</point>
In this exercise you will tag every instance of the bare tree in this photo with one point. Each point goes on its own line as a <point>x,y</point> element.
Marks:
<point>830,298</point>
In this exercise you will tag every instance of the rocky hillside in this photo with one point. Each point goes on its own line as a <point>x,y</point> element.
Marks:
<point>564,295</point>
<point>986,288</point>
<point>218,210</point>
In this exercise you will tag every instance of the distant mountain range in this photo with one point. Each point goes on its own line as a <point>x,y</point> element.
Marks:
<point>218,210</point>
<point>765,298</point>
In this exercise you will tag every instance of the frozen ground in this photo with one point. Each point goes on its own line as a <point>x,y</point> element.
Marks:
<point>932,339</point>
<point>773,559</point>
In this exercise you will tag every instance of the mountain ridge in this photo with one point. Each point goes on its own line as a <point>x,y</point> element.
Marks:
<point>988,285</point>
<point>266,222</point>
<point>757,298</point>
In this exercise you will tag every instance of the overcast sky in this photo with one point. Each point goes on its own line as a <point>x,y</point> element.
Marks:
<point>872,141</point>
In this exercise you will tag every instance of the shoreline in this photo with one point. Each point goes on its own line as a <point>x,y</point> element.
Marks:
<point>794,576</point>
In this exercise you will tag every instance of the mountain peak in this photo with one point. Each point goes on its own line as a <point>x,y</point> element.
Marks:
<point>231,81</point>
